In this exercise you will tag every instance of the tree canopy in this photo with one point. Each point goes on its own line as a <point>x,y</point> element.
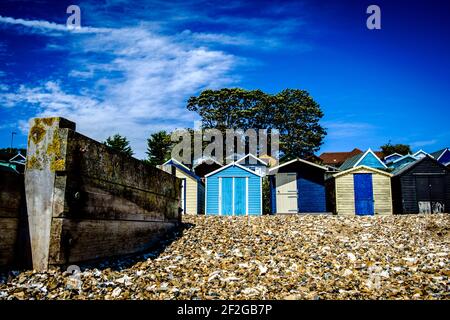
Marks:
<point>119,143</point>
<point>159,147</point>
<point>292,112</point>
<point>389,148</point>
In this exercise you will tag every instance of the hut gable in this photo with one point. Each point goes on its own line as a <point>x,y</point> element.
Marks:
<point>392,157</point>
<point>368,158</point>
<point>253,163</point>
<point>401,162</point>
<point>420,154</point>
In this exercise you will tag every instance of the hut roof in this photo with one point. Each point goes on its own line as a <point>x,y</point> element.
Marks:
<point>274,170</point>
<point>355,160</point>
<point>182,167</point>
<point>411,165</point>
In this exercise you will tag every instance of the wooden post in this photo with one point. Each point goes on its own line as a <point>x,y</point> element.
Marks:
<point>47,141</point>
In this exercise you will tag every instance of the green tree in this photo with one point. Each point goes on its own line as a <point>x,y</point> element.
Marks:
<point>119,143</point>
<point>159,147</point>
<point>292,112</point>
<point>389,148</point>
<point>296,115</point>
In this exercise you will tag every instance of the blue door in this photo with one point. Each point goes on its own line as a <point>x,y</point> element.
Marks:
<point>227,196</point>
<point>239,196</point>
<point>363,194</point>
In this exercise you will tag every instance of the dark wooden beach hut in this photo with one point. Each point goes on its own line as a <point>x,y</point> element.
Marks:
<point>422,186</point>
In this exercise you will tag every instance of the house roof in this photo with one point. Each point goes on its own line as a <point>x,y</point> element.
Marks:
<point>337,158</point>
<point>355,160</point>
<point>411,165</point>
<point>233,164</point>
<point>275,169</point>
<point>362,167</point>
<point>438,154</point>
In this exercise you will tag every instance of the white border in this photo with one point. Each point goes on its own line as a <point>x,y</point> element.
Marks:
<point>246,196</point>
<point>404,157</point>
<point>445,150</point>
<point>300,160</point>
<point>254,157</point>
<point>219,204</point>
<point>421,151</point>
<point>393,154</point>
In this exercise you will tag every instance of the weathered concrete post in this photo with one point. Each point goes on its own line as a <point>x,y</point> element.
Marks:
<point>87,201</point>
<point>46,154</point>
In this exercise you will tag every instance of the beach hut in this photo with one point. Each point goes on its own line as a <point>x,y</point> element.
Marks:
<point>192,188</point>
<point>360,190</point>
<point>297,186</point>
<point>368,159</point>
<point>402,161</point>
<point>422,186</point>
<point>392,157</point>
<point>233,190</point>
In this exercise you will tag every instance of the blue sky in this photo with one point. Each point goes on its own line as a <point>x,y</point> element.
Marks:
<point>132,66</point>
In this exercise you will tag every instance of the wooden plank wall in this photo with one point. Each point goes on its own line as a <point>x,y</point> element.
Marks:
<point>86,201</point>
<point>14,241</point>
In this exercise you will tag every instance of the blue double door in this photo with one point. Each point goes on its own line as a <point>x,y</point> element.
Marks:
<point>363,187</point>
<point>234,196</point>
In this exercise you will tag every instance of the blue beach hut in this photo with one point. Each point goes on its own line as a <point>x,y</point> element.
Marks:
<point>233,190</point>
<point>297,186</point>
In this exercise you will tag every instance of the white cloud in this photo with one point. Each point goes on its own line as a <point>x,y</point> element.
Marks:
<point>43,25</point>
<point>422,143</point>
<point>138,82</point>
<point>343,129</point>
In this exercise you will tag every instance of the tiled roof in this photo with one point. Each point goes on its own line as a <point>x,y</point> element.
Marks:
<point>337,158</point>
